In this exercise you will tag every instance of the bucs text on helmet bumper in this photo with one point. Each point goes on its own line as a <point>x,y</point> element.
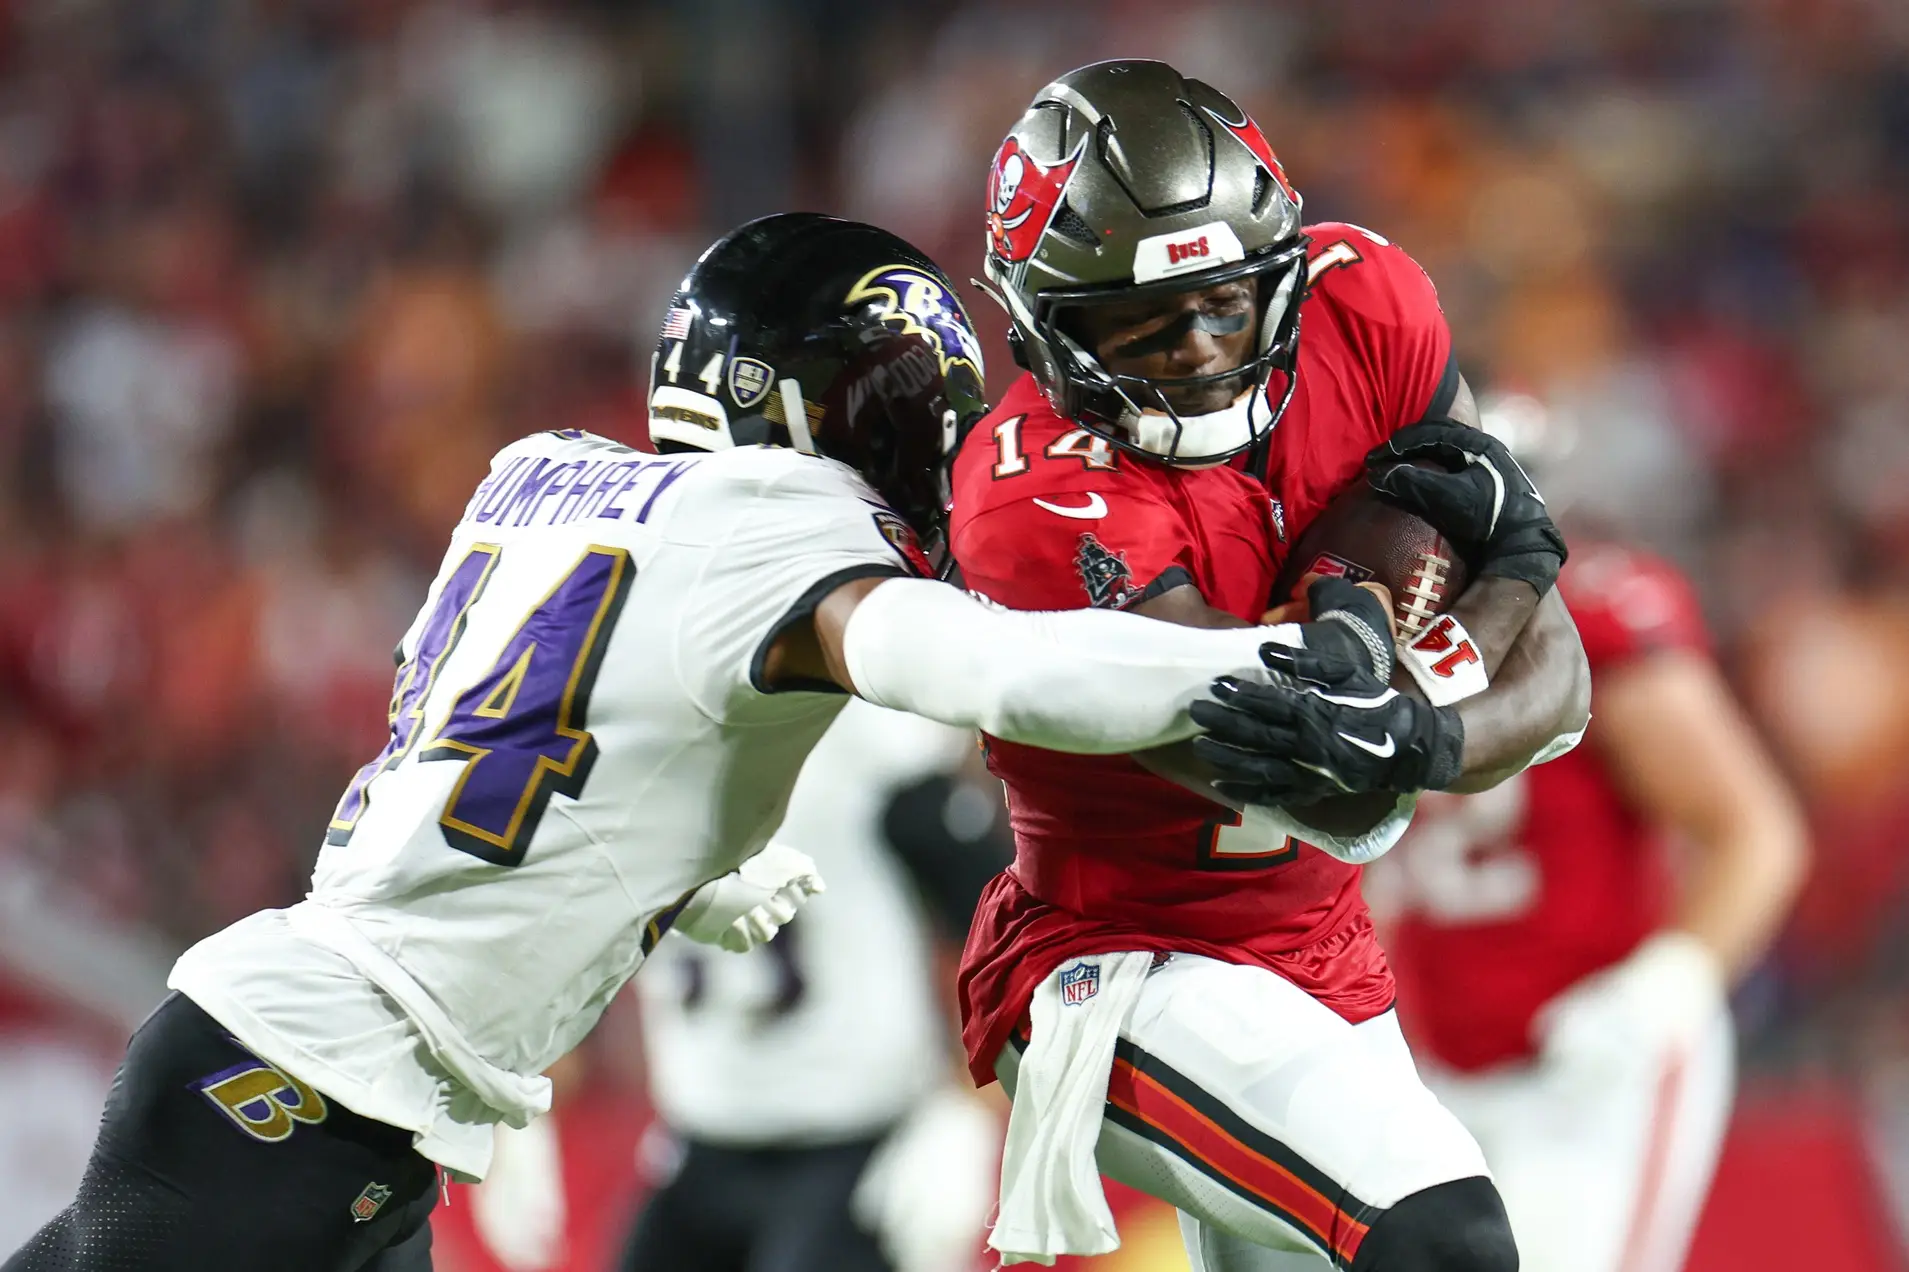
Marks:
<point>1122,181</point>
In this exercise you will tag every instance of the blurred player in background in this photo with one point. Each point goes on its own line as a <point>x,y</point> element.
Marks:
<point>810,1084</point>
<point>1177,429</point>
<point>1563,979</point>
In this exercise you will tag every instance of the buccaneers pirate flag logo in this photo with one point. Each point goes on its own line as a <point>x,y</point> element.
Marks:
<point>1022,198</point>
<point>1104,573</point>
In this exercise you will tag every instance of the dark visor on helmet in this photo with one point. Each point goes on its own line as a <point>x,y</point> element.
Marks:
<point>1279,277</point>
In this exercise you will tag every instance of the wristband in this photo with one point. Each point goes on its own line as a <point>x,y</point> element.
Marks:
<point>1445,662</point>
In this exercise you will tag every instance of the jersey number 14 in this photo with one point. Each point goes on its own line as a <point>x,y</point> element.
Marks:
<point>519,729</point>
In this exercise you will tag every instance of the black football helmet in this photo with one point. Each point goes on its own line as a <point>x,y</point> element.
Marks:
<point>832,337</point>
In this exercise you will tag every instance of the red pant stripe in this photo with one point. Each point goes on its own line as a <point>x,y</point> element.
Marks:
<point>1199,1138</point>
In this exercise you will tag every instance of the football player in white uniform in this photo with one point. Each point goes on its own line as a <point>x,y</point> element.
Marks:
<point>810,1088</point>
<point>601,708</point>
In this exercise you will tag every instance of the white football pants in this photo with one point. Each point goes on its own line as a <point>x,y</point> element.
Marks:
<point>1280,1131</point>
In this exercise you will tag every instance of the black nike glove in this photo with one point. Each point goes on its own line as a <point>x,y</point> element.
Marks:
<point>1486,506</point>
<point>1329,724</point>
<point>1348,622</point>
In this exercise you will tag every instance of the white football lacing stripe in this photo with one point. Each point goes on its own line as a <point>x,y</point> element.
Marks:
<point>1424,592</point>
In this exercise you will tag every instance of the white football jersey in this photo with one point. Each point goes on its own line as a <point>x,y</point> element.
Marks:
<point>836,1028</point>
<point>578,741</point>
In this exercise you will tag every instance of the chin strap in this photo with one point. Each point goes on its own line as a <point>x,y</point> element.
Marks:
<point>1192,439</point>
<point>993,293</point>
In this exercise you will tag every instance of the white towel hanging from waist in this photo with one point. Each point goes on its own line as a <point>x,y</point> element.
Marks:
<point>1052,1202</point>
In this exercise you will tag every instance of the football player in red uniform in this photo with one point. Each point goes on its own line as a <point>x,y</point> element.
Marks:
<point>1198,989</point>
<point>1564,989</point>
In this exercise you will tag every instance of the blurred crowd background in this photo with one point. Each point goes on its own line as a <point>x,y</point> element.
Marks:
<point>277,277</point>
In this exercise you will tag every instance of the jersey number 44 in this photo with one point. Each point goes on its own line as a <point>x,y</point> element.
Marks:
<point>519,730</point>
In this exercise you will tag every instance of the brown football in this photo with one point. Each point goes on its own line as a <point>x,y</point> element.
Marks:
<point>1364,538</point>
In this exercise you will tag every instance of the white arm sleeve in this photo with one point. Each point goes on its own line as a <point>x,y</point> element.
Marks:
<point>1092,682</point>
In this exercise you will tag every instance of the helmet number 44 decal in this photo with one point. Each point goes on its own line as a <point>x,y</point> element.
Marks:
<point>710,375</point>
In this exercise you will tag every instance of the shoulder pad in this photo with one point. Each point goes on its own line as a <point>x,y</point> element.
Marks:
<point>1353,262</point>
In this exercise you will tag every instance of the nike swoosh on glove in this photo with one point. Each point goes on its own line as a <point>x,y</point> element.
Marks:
<point>748,906</point>
<point>1328,724</point>
<point>1486,505</point>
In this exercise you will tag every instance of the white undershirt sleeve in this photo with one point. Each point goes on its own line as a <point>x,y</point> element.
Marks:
<point>1092,682</point>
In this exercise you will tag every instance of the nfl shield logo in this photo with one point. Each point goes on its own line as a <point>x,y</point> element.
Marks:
<point>369,1203</point>
<point>1336,567</point>
<point>1079,983</point>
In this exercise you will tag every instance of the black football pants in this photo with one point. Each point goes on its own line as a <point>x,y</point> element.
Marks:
<point>208,1158</point>
<point>757,1210</point>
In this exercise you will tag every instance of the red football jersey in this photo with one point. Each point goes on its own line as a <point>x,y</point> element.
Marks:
<point>1049,516</point>
<point>1507,897</point>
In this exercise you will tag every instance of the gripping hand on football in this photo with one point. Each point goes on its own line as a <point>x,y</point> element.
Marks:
<point>749,905</point>
<point>1329,724</point>
<point>1486,505</point>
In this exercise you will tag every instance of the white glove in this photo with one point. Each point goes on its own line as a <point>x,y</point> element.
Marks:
<point>1666,994</point>
<point>748,906</point>
<point>927,1190</point>
<point>519,1210</point>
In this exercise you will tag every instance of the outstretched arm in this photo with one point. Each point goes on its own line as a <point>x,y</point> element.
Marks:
<point>1540,683</point>
<point>1088,681</point>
